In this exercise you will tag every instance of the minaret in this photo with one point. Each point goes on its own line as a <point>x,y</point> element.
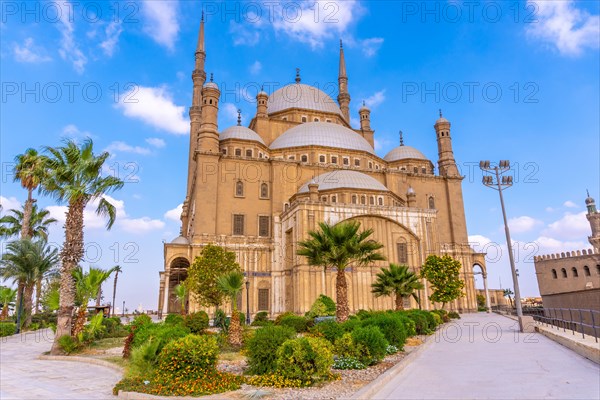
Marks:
<point>343,96</point>
<point>446,163</point>
<point>593,216</point>
<point>365,124</point>
<point>195,112</point>
<point>208,137</point>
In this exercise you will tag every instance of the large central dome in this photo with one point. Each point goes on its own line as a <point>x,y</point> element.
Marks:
<point>303,96</point>
<point>344,179</point>
<point>325,134</point>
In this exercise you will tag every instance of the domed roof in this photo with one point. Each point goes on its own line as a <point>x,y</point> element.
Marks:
<point>299,95</point>
<point>322,134</point>
<point>402,152</point>
<point>212,85</point>
<point>344,179</point>
<point>242,133</point>
<point>180,240</point>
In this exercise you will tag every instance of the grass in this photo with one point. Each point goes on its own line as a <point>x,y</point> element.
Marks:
<point>231,356</point>
<point>117,360</point>
<point>108,343</point>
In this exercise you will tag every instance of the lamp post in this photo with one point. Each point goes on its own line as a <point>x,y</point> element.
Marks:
<point>247,302</point>
<point>123,308</point>
<point>499,184</point>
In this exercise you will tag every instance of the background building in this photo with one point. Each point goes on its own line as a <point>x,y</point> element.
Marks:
<point>260,189</point>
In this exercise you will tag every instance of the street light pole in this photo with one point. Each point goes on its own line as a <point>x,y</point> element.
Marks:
<point>123,311</point>
<point>247,302</point>
<point>500,184</point>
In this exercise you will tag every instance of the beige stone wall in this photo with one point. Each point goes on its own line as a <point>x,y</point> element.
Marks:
<point>556,272</point>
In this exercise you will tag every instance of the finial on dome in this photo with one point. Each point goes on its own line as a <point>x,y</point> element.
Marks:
<point>364,103</point>
<point>401,139</point>
<point>202,19</point>
<point>211,76</point>
<point>262,88</point>
<point>441,116</point>
<point>239,117</point>
<point>298,79</point>
<point>341,45</point>
<point>588,192</point>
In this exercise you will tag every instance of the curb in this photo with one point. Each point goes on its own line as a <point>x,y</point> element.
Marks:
<point>84,360</point>
<point>367,391</point>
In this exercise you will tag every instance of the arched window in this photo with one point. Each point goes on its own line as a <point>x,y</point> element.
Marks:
<point>264,191</point>
<point>334,199</point>
<point>363,200</point>
<point>380,200</point>
<point>354,199</point>
<point>372,200</point>
<point>304,158</point>
<point>564,272</point>
<point>324,199</point>
<point>239,188</point>
<point>431,202</point>
<point>586,270</point>
<point>249,153</point>
<point>575,273</point>
<point>598,269</point>
<point>416,170</point>
<point>554,275</point>
<point>238,152</point>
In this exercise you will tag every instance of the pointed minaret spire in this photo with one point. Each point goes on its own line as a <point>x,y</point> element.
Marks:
<point>298,79</point>
<point>200,46</point>
<point>401,139</point>
<point>239,117</point>
<point>343,96</point>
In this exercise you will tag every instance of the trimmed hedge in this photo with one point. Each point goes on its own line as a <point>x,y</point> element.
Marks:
<point>329,330</point>
<point>305,358</point>
<point>196,322</point>
<point>300,324</point>
<point>391,326</point>
<point>7,328</point>
<point>262,348</point>
<point>373,343</point>
<point>192,351</point>
<point>161,331</point>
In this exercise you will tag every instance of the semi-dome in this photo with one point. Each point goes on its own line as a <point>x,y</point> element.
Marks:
<point>343,179</point>
<point>299,95</point>
<point>404,152</point>
<point>180,240</point>
<point>322,134</point>
<point>242,133</point>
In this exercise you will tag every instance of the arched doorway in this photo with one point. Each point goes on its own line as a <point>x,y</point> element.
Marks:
<point>178,271</point>
<point>483,274</point>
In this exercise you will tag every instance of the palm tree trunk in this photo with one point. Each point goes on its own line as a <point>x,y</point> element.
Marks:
<point>20,287</point>
<point>28,301</point>
<point>235,331</point>
<point>38,294</point>
<point>341,291</point>
<point>4,314</point>
<point>71,254</point>
<point>114,293</point>
<point>25,231</point>
<point>80,320</point>
<point>399,303</point>
<point>99,296</point>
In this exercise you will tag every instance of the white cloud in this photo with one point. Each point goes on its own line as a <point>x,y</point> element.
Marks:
<point>523,224</point>
<point>126,148</point>
<point>113,31</point>
<point>255,68</point>
<point>9,203</point>
<point>550,209</point>
<point>141,225</point>
<point>548,245</point>
<point>230,111</point>
<point>376,99</point>
<point>29,53</point>
<point>569,204</point>
<point>155,106</point>
<point>564,26</point>
<point>69,49</point>
<point>73,132</point>
<point>479,242</point>
<point>156,142</point>
<point>569,227</point>
<point>371,46</point>
<point>175,214</point>
<point>160,21</point>
<point>244,34</point>
<point>313,23</point>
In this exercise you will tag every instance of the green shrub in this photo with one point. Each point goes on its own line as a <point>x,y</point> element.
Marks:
<point>437,318</point>
<point>330,330</point>
<point>262,348</point>
<point>300,324</point>
<point>220,320</point>
<point>114,327</point>
<point>421,323</point>
<point>348,363</point>
<point>351,324</point>
<point>443,314</point>
<point>305,358</point>
<point>139,321</point>
<point>362,314</point>
<point>69,344</point>
<point>275,380</point>
<point>144,358</point>
<point>261,316</point>
<point>283,315</point>
<point>196,322</point>
<point>373,344</point>
<point>7,329</point>
<point>346,348</point>
<point>262,323</point>
<point>453,315</point>
<point>160,331</point>
<point>174,319</point>
<point>409,324</point>
<point>322,307</point>
<point>193,352</point>
<point>34,326</point>
<point>391,326</point>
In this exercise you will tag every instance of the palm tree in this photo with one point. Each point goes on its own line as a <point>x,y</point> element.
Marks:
<point>508,293</point>
<point>26,261</point>
<point>231,285</point>
<point>38,223</point>
<point>30,170</point>
<point>339,246</point>
<point>7,299</point>
<point>74,177</point>
<point>397,281</point>
<point>181,292</point>
<point>87,286</point>
<point>117,270</point>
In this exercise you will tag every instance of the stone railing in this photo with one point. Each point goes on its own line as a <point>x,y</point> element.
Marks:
<point>568,254</point>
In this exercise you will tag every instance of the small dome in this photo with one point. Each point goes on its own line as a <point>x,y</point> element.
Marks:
<point>262,93</point>
<point>364,108</point>
<point>404,152</point>
<point>441,120</point>
<point>180,240</point>
<point>303,96</point>
<point>344,179</point>
<point>211,85</point>
<point>589,200</point>
<point>322,134</point>
<point>241,133</point>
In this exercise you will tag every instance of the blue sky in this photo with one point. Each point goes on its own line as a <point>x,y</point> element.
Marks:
<point>518,80</point>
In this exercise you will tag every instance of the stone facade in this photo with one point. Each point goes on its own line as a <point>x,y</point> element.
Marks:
<point>258,190</point>
<point>497,298</point>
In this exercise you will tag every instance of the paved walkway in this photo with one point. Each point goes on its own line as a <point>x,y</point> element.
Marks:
<point>482,356</point>
<point>23,376</point>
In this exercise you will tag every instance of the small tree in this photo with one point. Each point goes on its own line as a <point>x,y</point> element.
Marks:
<point>443,274</point>
<point>7,300</point>
<point>508,293</point>
<point>480,301</point>
<point>231,285</point>
<point>213,262</point>
<point>397,281</point>
<point>181,293</point>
